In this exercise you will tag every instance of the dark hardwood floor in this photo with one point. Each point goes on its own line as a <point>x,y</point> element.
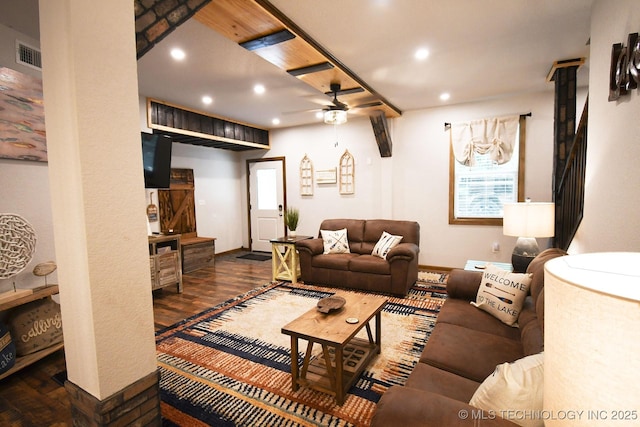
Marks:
<point>31,397</point>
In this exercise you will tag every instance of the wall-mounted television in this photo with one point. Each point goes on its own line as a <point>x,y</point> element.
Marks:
<point>156,160</point>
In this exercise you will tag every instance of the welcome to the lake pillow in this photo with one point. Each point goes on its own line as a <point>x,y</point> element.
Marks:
<point>502,293</point>
<point>335,241</point>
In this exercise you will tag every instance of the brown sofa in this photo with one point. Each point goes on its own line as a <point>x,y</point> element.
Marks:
<point>465,347</point>
<point>359,269</point>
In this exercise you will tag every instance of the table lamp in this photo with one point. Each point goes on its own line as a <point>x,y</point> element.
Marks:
<point>526,221</point>
<point>592,340</point>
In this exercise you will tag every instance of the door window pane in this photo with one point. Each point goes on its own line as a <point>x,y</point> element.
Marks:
<point>267,189</point>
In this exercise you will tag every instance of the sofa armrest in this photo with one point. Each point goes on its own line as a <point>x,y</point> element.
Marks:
<point>411,407</point>
<point>406,251</point>
<point>310,246</point>
<point>463,284</point>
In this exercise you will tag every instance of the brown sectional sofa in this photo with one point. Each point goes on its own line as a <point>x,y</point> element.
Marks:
<point>359,269</point>
<point>465,347</point>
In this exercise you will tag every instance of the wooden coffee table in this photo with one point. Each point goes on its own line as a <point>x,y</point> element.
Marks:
<point>338,341</point>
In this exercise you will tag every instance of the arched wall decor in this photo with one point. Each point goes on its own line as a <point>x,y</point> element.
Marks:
<point>347,173</point>
<point>306,176</point>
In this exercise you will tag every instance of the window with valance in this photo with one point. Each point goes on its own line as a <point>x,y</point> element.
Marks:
<point>486,168</point>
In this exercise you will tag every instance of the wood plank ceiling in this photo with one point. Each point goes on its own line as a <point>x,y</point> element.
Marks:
<point>258,26</point>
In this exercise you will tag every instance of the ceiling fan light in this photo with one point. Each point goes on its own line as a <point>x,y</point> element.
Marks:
<point>335,117</point>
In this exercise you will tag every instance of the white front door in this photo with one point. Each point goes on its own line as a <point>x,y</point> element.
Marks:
<point>266,203</point>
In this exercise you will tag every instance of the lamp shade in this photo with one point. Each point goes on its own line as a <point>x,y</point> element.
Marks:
<point>529,219</point>
<point>335,117</point>
<point>592,339</point>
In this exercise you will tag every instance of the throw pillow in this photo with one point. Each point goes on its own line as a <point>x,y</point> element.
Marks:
<point>35,326</point>
<point>384,245</point>
<point>514,388</point>
<point>7,349</point>
<point>502,294</point>
<point>335,241</point>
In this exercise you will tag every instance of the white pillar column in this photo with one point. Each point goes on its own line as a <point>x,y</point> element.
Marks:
<point>97,191</point>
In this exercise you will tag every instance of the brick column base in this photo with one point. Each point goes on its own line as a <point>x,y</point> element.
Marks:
<point>137,404</point>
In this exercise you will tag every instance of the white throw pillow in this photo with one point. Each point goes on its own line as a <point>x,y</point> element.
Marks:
<point>514,391</point>
<point>335,241</point>
<point>502,294</point>
<point>384,245</point>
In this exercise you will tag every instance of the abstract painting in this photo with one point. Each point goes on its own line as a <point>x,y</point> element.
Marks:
<point>22,131</point>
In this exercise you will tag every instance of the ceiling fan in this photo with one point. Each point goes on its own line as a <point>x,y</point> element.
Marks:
<point>336,112</point>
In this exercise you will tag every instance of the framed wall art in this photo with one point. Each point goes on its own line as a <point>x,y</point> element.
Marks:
<point>326,176</point>
<point>22,131</point>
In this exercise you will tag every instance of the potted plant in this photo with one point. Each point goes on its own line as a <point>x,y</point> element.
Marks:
<point>291,217</point>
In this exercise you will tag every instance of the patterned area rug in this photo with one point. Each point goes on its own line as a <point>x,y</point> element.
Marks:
<point>230,365</point>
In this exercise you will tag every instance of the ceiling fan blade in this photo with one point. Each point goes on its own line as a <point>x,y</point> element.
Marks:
<point>311,110</point>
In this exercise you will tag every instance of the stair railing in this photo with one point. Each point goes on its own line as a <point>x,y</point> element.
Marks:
<point>569,196</point>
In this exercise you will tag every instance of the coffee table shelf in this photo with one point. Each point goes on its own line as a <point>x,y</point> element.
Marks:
<point>355,357</point>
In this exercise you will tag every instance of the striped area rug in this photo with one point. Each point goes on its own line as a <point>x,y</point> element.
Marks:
<point>231,365</point>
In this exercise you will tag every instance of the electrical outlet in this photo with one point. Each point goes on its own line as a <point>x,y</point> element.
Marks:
<point>495,247</point>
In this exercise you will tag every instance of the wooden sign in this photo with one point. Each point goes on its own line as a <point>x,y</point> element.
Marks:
<point>152,210</point>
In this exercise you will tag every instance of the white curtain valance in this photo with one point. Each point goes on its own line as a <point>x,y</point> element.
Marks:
<point>495,136</point>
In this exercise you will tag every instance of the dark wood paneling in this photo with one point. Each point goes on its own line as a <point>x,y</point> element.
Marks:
<point>191,127</point>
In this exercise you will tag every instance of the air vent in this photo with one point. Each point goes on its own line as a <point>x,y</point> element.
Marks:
<point>28,55</point>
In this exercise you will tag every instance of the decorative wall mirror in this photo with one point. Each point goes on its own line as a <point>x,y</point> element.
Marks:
<point>306,177</point>
<point>347,173</point>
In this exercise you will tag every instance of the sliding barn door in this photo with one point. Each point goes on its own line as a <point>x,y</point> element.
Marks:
<point>177,205</point>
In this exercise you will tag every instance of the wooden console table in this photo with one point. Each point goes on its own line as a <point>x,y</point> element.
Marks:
<point>164,261</point>
<point>197,253</point>
<point>284,258</point>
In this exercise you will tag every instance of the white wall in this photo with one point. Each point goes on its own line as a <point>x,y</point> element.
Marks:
<point>612,202</point>
<point>24,185</point>
<point>318,142</point>
<point>8,37</point>
<point>219,191</point>
<point>24,190</point>
<point>414,183</point>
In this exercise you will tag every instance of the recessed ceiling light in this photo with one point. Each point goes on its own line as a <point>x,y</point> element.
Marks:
<point>444,96</point>
<point>178,54</point>
<point>207,100</point>
<point>421,54</point>
<point>319,115</point>
<point>259,89</point>
<point>275,121</point>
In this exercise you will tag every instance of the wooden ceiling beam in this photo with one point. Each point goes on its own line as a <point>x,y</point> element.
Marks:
<point>242,21</point>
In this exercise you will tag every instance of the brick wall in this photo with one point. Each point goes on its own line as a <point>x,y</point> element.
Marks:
<point>157,18</point>
<point>138,404</point>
